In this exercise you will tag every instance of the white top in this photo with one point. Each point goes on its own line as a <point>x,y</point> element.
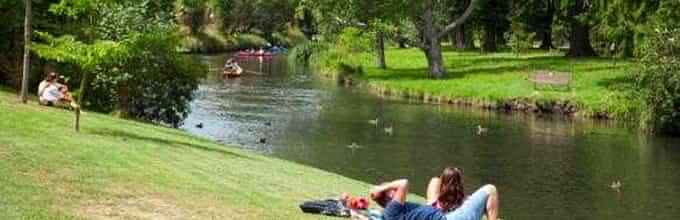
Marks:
<point>42,86</point>
<point>51,93</point>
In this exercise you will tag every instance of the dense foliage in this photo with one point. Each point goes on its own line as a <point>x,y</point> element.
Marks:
<point>660,81</point>
<point>131,67</point>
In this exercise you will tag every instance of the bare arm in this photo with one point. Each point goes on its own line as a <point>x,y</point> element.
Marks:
<point>399,187</point>
<point>433,190</point>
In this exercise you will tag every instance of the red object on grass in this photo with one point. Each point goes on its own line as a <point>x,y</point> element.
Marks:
<point>358,203</point>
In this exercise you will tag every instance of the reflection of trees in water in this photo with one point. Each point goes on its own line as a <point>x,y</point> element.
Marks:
<point>550,131</point>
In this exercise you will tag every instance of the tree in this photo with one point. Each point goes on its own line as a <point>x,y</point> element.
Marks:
<point>624,25</point>
<point>432,25</point>
<point>27,51</point>
<point>579,14</point>
<point>374,17</point>
<point>538,16</point>
<point>127,59</point>
<point>462,37</point>
<point>495,23</point>
<point>429,18</point>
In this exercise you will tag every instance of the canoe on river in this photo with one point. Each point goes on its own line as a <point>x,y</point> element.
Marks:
<point>255,54</point>
<point>232,72</point>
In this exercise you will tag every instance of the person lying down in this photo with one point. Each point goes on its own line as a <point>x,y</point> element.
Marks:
<point>446,200</point>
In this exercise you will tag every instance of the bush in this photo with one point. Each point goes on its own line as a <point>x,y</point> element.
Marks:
<point>153,83</point>
<point>659,81</point>
<point>354,40</point>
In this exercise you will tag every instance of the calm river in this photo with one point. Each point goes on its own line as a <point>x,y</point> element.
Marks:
<point>544,168</point>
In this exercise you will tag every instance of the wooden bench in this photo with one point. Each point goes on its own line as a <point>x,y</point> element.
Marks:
<point>550,78</point>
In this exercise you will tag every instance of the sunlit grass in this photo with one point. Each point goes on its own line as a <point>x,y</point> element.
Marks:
<point>598,85</point>
<point>123,169</point>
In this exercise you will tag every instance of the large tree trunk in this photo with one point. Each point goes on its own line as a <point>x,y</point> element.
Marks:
<point>546,34</point>
<point>546,40</point>
<point>579,38</point>
<point>27,52</point>
<point>430,36</point>
<point>463,38</point>
<point>435,60</point>
<point>432,44</point>
<point>579,41</point>
<point>380,50</point>
<point>490,43</point>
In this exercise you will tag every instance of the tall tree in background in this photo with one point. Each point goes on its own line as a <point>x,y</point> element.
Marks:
<point>462,37</point>
<point>625,24</point>
<point>579,14</point>
<point>495,23</point>
<point>538,17</point>
<point>27,51</point>
<point>373,17</point>
<point>432,25</point>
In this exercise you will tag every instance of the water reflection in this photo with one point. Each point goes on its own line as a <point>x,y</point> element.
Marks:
<point>544,167</point>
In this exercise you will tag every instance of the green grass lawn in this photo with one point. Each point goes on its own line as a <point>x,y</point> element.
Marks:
<point>598,83</point>
<point>118,169</point>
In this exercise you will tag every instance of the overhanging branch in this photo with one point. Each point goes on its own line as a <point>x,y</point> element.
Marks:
<point>460,20</point>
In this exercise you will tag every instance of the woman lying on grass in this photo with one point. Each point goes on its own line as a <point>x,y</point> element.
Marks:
<point>445,197</point>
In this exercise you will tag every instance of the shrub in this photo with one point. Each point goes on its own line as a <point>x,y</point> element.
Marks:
<point>153,83</point>
<point>353,40</point>
<point>659,81</point>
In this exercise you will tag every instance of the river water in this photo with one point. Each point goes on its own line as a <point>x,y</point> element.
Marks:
<point>544,167</point>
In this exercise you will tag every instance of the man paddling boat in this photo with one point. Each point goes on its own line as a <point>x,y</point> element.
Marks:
<point>232,69</point>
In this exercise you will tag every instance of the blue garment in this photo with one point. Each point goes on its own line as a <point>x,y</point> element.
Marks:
<point>411,211</point>
<point>472,208</point>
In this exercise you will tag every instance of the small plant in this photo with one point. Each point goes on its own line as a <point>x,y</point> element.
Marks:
<point>521,41</point>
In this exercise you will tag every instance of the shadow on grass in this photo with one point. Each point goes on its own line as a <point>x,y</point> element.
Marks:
<point>621,83</point>
<point>173,143</point>
<point>453,72</point>
<point>459,67</point>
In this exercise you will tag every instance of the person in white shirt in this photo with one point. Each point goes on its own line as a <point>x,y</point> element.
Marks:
<point>50,79</point>
<point>51,95</point>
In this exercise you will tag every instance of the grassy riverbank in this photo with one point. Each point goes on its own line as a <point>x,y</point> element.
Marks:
<point>499,79</point>
<point>118,169</point>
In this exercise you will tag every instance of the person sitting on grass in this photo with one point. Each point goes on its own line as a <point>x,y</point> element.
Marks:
<point>54,92</point>
<point>392,197</point>
<point>50,94</point>
<point>49,80</point>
